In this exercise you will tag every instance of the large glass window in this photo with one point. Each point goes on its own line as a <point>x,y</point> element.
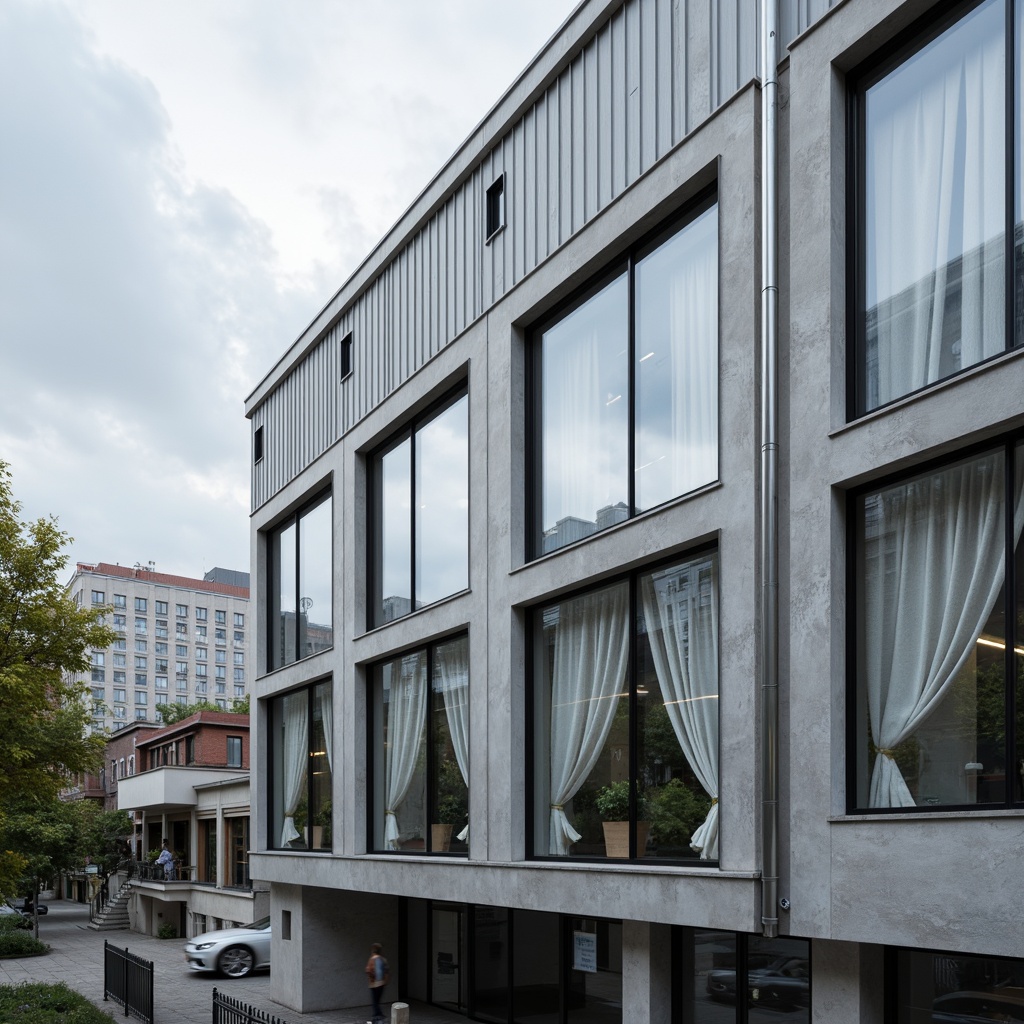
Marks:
<point>929,986</point>
<point>301,592</point>
<point>625,389</point>
<point>625,717</point>
<point>421,750</point>
<point>732,978</point>
<point>420,514</point>
<point>935,231</point>
<point>938,673</point>
<point>301,736</point>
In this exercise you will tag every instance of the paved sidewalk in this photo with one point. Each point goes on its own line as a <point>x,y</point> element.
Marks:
<point>181,996</point>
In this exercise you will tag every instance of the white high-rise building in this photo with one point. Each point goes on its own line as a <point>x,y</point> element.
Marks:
<point>179,640</point>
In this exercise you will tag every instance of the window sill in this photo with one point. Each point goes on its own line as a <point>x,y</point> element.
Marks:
<point>923,815</point>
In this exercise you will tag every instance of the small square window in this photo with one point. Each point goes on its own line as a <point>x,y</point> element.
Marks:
<point>495,207</point>
<point>257,445</point>
<point>161,607</point>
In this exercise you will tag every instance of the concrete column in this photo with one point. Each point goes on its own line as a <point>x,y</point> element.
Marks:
<point>846,983</point>
<point>221,847</point>
<point>646,972</point>
<point>320,967</point>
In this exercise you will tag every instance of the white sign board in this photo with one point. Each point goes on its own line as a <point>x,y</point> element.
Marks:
<point>584,952</point>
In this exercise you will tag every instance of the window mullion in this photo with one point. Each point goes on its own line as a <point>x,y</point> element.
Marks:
<point>1011,639</point>
<point>631,385</point>
<point>412,519</point>
<point>634,784</point>
<point>430,804</point>
<point>1010,203</point>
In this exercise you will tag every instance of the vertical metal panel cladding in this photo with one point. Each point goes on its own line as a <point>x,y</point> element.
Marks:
<point>650,74</point>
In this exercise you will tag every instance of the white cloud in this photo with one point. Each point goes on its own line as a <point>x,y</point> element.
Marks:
<point>182,186</point>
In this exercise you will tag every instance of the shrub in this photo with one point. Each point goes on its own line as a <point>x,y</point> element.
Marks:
<point>11,922</point>
<point>676,813</point>
<point>613,802</point>
<point>37,1003</point>
<point>20,943</point>
<point>167,931</point>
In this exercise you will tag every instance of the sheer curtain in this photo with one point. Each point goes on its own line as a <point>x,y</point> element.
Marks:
<point>682,626</point>
<point>935,202</point>
<point>587,677</point>
<point>406,722</point>
<point>453,661</point>
<point>693,317</point>
<point>295,756</point>
<point>585,407</point>
<point>936,551</point>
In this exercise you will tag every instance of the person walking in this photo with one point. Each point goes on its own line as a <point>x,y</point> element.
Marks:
<point>378,974</point>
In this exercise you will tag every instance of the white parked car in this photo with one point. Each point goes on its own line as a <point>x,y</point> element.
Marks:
<point>235,952</point>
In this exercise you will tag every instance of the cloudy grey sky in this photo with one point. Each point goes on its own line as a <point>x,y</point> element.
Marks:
<point>183,185</point>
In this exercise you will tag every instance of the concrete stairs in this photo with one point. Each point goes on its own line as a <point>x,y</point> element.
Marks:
<point>114,915</point>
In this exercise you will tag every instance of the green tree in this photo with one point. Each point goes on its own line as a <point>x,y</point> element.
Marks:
<point>49,835</point>
<point>174,713</point>
<point>106,836</point>
<point>44,643</point>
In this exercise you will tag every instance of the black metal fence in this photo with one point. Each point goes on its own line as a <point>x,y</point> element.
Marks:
<point>231,1011</point>
<point>128,981</point>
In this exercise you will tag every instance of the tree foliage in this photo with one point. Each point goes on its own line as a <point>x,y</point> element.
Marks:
<point>174,713</point>
<point>44,642</point>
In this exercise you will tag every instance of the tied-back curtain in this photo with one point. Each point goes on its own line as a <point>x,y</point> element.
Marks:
<point>682,626</point>
<point>935,550</point>
<point>406,719</point>
<point>935,202</point>
<point>693,314</point>
<point>453,660</point>
<point>587,677</point>
<point>295,708</point>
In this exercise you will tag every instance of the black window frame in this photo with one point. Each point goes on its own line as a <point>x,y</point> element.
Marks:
<point>273,579</point>
<point>684,989</point>
<point>430,808</point>
<point>1013,736</point>
<point>883,62</point>
<point>494,208</point>
<point>310,690</point>
<point>626,263</point>
<point>631,578</point>
<point>233,742</point>
<point>412,426</point>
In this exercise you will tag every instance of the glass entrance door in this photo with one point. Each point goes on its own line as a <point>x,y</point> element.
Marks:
<point>447,987</point>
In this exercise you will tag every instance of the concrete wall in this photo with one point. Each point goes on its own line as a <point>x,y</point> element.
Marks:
<point>321,965</point>
<point>860,878</point>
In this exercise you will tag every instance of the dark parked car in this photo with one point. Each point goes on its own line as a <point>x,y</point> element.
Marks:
<point>23,906</point>
<point>972,1007</point>
<point>783,984</point>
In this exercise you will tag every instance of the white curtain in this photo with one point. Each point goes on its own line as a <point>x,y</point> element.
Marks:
<point>693,317</point>
<point>934,553</point>
<point>681,614</point>
<point>295,758</point>
<point>587,679</point>
<point>935,202</point>
<point>584,434</point>
<point>406,721</point>
<point>453,662</point>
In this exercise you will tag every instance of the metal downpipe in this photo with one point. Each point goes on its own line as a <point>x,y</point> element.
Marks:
<point>769,604</point>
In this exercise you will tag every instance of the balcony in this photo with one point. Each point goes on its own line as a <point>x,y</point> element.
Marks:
<point>167,787</point>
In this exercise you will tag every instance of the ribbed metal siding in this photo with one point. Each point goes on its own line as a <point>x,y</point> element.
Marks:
<point>653,72</point>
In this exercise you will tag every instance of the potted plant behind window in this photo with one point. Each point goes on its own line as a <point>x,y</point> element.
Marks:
<point>612,803</point>
<point>452,806</point>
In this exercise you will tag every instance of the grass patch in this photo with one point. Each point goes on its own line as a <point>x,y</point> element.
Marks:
<point>34,1002</point>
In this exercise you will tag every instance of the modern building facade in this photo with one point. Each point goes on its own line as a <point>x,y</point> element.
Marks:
<point>179,640</point>
<point>637,541</point>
